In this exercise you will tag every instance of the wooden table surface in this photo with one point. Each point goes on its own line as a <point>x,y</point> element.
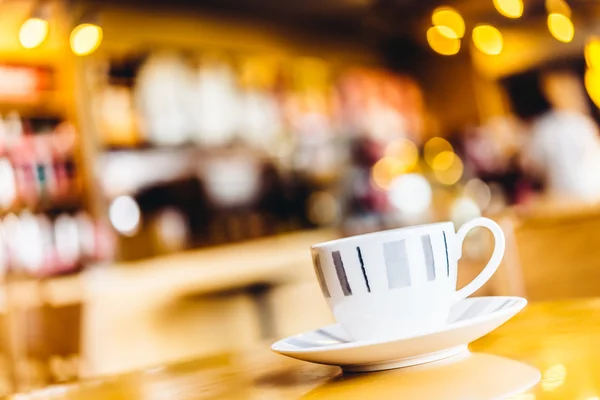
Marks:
<point>558,339</point>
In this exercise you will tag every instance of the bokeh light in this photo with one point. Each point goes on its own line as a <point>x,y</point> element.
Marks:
<point>592,85</point>
<point>85,39</point>
<point>33,32</point>
<point>464,209</point>
<point>449,18</point>
<point>592,53</point>
<point>443,161</point>
<point>435,146</point>
<point>322,208</point>
<point>125,215</point>
<point>172,229</point>
<point>410,194</point>
<point>479,191</point>
<point>452,173</point>
<point>509,8</point>
<point>406,154</point>
<point>384,171</point>
<point>561,27</point>
<point>441,41</point>
<point>553,377</point>
<point>488,39</point>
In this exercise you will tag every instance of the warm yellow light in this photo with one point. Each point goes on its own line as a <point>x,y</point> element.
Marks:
<point>441,41</point>
<point>382,172</point>
<point>451,19</point>
<point>447,32</point>
<point>389,167</point>
<point>592,53</point>
<point>435,146</point>
<point>85,39</point>
<point>443,161</point>
<point>453,171</point>
<point>488,39</point>
<point>509,8</point>
<point>553,377</point>
<point>561,27</point>
<point>33,32</point>
<point>406,154</point>
<point>592,85</point>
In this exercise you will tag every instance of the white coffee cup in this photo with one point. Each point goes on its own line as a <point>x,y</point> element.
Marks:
<point>400,282</point>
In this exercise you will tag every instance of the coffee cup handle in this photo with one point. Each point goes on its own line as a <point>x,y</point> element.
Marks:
<point>495,259</point>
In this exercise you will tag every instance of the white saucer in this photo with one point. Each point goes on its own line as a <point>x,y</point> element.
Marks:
<point>469,320</point>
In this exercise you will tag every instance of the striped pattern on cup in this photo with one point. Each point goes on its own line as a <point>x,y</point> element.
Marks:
<point>397,264</point>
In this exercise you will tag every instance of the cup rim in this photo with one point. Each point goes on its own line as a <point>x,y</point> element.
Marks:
<point>406,229</point>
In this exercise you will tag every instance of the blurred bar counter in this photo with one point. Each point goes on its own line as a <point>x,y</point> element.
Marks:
<point>185,305</point>
<point>200,302</point>
<point>204,302</point>
<point>266,261</point>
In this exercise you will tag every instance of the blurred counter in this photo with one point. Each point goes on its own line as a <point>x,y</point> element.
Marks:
<point>189,304</point>
<point>200,302</point>
<point>270,261</point>
<point>172,308</point>
<point>267,261</point>
<point>228,298</point>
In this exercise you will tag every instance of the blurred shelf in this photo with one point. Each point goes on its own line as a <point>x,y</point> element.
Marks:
<point>145,167</point>
<point>48,104</point>
<point>142,147</point>
<point>271,261</point>
<point>67,204</point>
<point>152,165</point>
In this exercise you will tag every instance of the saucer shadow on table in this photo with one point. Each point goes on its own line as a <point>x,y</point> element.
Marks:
<point>467,376</point>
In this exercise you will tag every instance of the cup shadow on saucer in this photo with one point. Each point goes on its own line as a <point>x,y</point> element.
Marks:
<point>465,376</point>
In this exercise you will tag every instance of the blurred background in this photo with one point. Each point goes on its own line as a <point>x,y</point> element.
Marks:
<point>164,166</point>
